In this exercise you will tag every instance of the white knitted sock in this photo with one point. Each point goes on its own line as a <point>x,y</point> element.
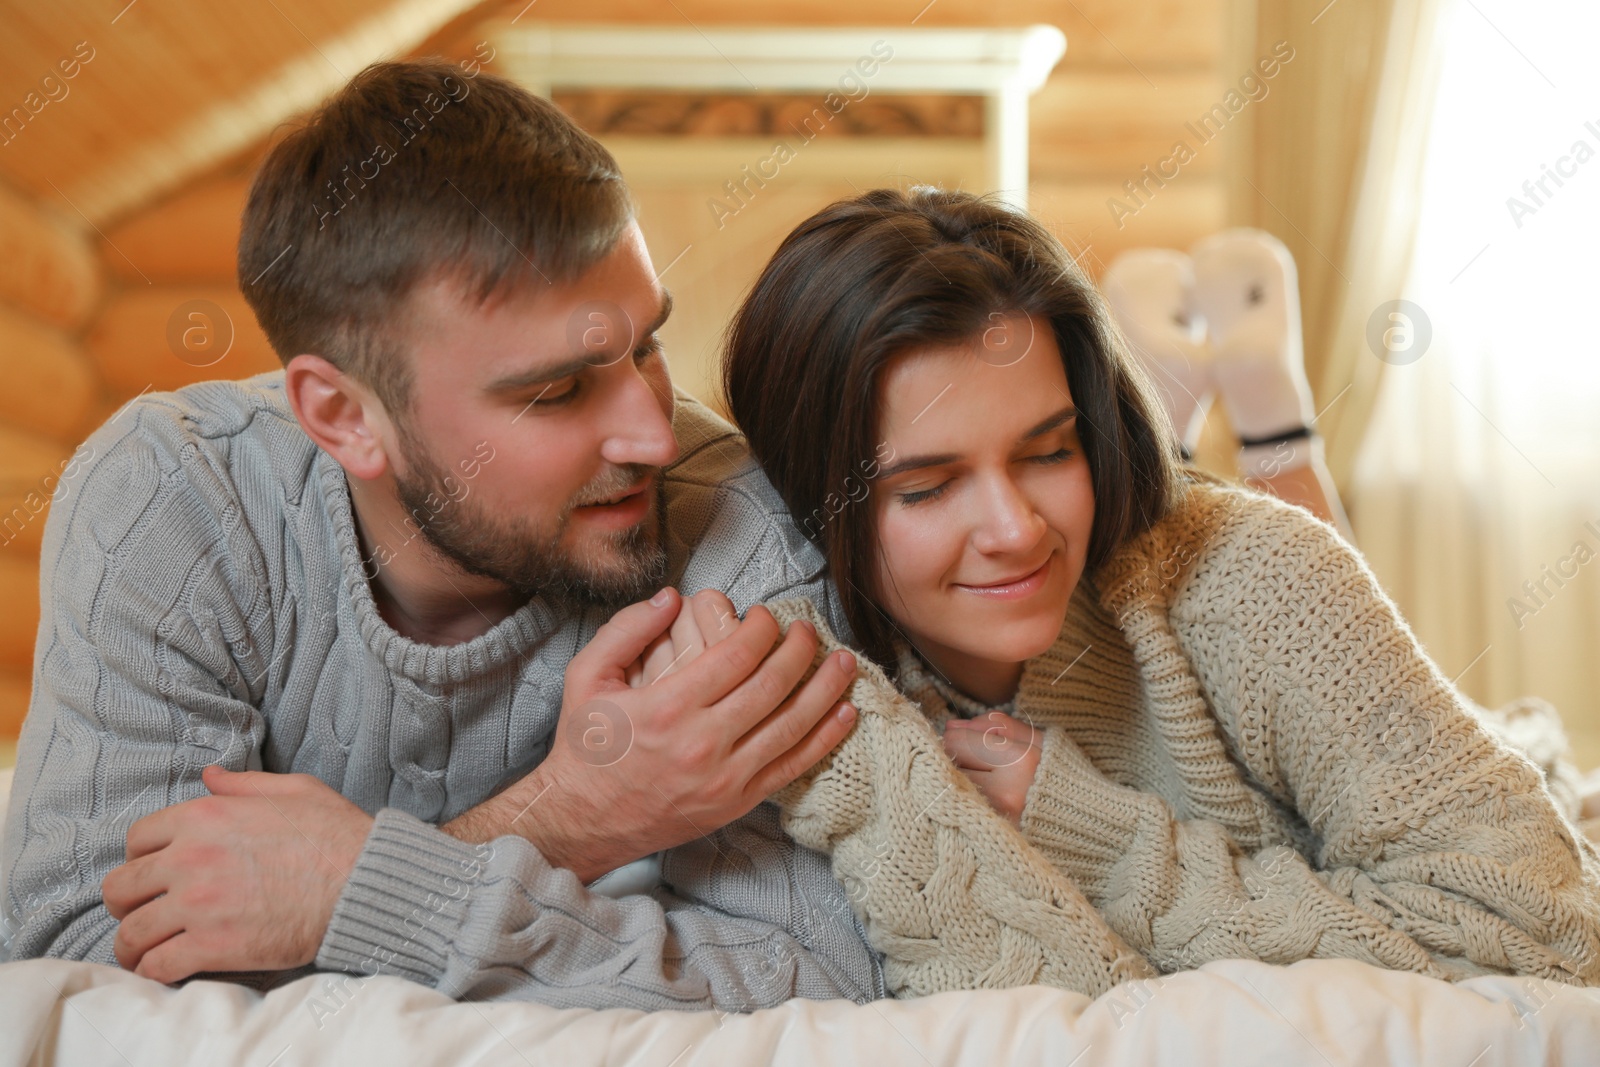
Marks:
<point>1246,287</point>
<point>1148,290</point>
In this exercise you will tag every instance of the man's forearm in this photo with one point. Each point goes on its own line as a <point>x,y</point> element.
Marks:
<point>498,921</point>
<point>539,809</point>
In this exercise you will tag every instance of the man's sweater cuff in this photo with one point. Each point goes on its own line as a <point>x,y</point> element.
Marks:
<point>1076,816</point>
<point>404,902</point>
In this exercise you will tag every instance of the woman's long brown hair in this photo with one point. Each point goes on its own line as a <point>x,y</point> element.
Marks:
<point>888,272</point>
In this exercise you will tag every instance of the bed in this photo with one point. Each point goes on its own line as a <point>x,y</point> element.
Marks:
<point>1229,1012</point>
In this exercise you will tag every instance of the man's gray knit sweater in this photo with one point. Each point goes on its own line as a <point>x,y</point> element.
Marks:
<point>205,601</point>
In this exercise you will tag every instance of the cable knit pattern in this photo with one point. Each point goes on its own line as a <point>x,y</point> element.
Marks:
<point>1246,754</point>
<point>208,603</point>
<point>948,891</point>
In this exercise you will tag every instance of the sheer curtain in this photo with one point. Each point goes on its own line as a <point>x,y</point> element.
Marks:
<point>1476,495</point>
<point>1333,167</point>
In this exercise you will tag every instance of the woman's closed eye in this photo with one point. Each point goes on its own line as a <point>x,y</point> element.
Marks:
<point>917,496</point>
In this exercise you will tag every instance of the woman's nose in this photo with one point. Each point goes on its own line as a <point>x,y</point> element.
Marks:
<point>1009,522</point>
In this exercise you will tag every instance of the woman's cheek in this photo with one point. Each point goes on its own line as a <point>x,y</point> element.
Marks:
<point>914,553</point>
<point>1071,503</point>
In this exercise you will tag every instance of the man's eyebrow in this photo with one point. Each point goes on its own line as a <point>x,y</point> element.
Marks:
<point>662,315</point>
<point>555,372</point>
<point>911,463</point>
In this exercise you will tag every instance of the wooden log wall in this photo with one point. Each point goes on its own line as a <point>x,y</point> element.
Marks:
<point>84,317</point>
<point>85,325</point>
<point>50,284</point>
<point>1135,72</point>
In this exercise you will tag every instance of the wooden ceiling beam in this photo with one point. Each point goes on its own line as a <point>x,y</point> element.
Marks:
<point>128,181</point>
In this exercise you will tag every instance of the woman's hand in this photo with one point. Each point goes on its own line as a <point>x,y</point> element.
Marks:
<point>703,619</point>
<point>1000,754</point>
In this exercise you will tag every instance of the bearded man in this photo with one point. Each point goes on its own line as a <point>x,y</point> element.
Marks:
<point>370,665</point>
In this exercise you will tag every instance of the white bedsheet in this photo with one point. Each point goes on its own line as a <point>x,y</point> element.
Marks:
<point>1229,1013</point>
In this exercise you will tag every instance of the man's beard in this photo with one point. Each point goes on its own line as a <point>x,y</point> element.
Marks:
<point>627,566</point>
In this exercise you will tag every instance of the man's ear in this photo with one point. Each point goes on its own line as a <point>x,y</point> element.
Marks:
<point>344,418</point>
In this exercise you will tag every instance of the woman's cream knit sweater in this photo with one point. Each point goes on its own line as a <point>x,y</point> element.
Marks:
<point>1246,754</point>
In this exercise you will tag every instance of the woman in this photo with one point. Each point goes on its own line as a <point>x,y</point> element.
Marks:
<point>1215,736</point>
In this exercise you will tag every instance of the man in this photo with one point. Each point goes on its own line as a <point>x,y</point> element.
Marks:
<point>298,630</point>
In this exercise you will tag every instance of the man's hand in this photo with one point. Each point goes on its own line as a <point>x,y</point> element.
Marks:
<point>1000,754</point>
<point>634,769</point>
<point>243,880</point>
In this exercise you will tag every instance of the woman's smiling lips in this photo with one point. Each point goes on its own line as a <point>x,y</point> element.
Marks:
<point>1014,588</point>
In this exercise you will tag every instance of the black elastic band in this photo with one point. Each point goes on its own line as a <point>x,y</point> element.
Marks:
<point>1277,438</point>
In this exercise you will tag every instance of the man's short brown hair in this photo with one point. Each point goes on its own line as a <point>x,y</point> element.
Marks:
<point>416,170</point>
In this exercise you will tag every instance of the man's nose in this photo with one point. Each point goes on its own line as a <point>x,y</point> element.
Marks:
<point>639,422</point>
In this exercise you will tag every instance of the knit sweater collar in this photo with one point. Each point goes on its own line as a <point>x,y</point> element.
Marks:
<point>1119,653</point>
<point>938,697</point>
<point>511,638</point>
